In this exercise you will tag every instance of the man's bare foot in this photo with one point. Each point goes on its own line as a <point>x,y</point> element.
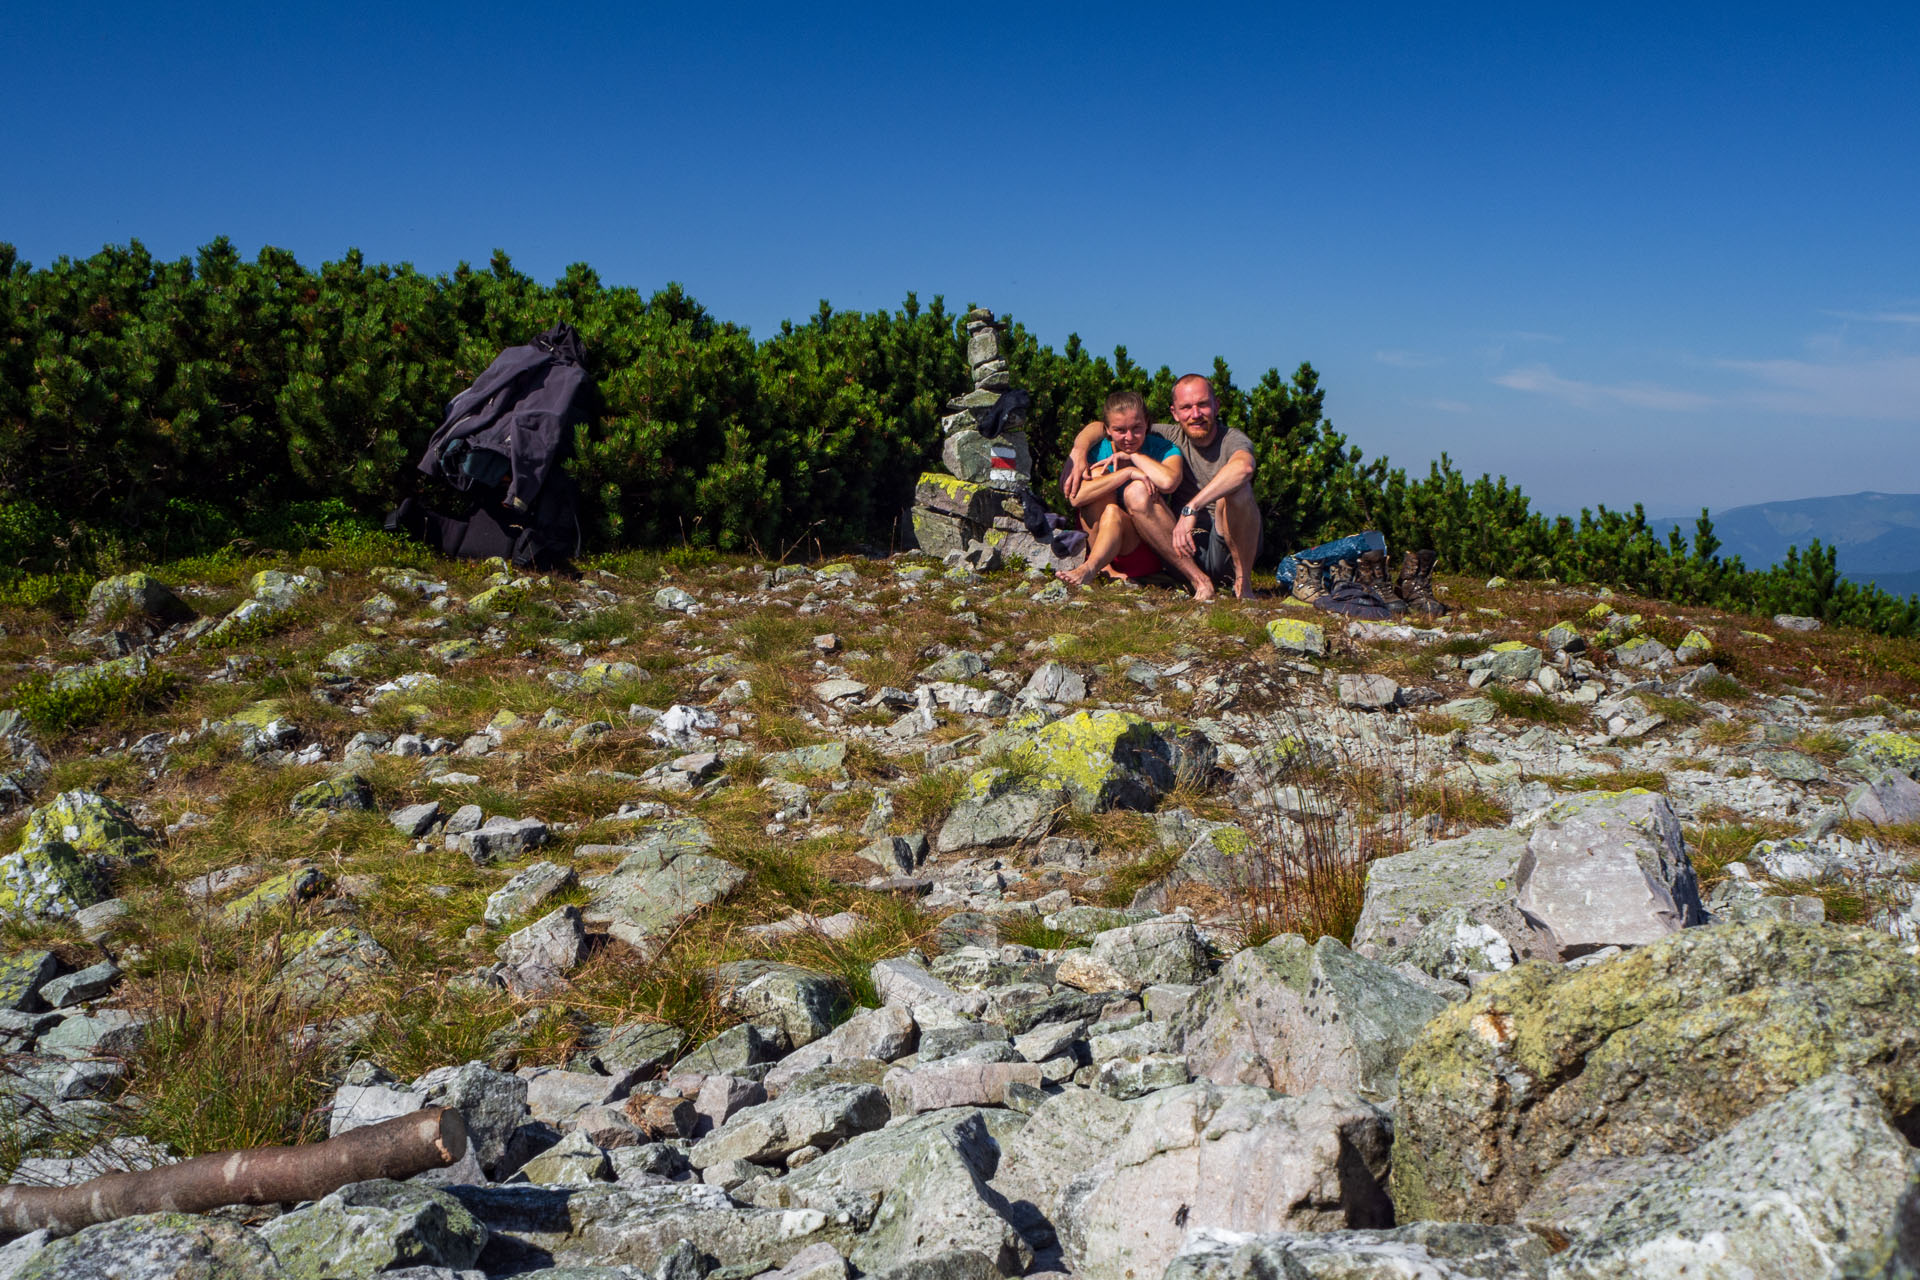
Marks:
<point>1244,590</point>
<point>1203,591</point>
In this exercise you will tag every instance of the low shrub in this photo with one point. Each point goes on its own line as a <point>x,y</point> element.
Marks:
<point>53,705</point>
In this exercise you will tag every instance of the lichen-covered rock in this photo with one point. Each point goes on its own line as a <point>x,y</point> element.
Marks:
<point>942,1203</point>
<point>1456,945</point>
<point>1297,635</point>
<point>24,766</point>
<point>1418,1251</point>
<point>527,891</point>
<point>1899,751</point>
<point>1658,1050</point>
<point>156,1246</point>
<point>1477,874</point>
<point>772,1131</point>
<point>92,824</point>
<point>48,879</point>
<point>331,962</point>
<point>492,1103</point>
<point>639,1226</point>
<point>1293,1015</point>
<point>351,659</point>
<point>1695,647</point>
<point>1113,759</point>
<point>1509,660</point>
<point>1608,868</point>
<point>574,1161</point>
<point>1232,1157</point>
<point>1165,950</point>
<point>348,793</point>
<point>136,594</point>
<point>1643,653</point>
<point>1000,808</point>
<point>1817,1184</point>
<point>801,1002</point>
<point>666,879</point>
<point>859,1172</point>
<point>288,888</point>
<point>501,839</point>
<point>368,1227</point>
<point>22,974</point>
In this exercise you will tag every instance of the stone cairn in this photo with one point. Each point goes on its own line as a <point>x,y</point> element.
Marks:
<point>975,512</point>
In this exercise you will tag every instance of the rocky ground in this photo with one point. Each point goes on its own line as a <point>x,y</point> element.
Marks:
<point>881,917</point>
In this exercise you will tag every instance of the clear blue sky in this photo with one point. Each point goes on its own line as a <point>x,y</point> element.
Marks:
<point>1668,254</point>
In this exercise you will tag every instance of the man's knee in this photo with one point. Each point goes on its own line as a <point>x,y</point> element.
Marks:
<point>1237,514</point>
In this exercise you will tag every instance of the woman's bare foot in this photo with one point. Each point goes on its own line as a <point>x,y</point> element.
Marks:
<point>1076,577</point>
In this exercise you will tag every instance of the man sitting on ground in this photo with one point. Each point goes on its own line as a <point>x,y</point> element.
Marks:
<point>1215,497</point>
<point>1129,471</point>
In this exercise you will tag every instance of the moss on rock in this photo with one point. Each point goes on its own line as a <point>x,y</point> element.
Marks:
<point>1657,1051</point>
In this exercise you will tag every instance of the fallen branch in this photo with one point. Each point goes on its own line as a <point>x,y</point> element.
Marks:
<point>397,1148</point>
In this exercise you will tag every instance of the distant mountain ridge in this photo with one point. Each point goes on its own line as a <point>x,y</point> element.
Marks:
<point>1877,535</point>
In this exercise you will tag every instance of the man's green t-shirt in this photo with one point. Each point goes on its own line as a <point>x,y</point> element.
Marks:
<point>1203,461</point>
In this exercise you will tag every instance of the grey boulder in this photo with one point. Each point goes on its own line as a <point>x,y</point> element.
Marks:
<point>1418,1251</point>
<point>1475,873</point>
<point>369,1227</point>
<point>663,882</point>
<point>942,1204</point>
<point>772,1131</point>
<point>1817,1184</point>
<point>1292,1015</point>
<point>1232,1157</point>
<point>1608,869</point>
<point>155,1246</point>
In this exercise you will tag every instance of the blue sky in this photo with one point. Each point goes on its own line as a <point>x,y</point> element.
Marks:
<point>1663,254</point>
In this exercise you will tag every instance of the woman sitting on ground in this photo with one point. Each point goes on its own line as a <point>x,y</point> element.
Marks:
<point>1130,468</point>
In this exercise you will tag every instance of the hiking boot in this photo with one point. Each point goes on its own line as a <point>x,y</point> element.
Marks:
<point>1340,571</point>
<point>1370,571</point>
<point>1309,582</point>
<point>1416,583</point>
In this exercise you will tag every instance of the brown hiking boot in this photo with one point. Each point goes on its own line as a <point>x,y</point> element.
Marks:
<point>1416,583</point>
<point>1309,582</point>
<point>1370,571</point>
<point>1340,571</point>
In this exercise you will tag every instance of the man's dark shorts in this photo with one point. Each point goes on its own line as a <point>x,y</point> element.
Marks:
<point>1211,553</point>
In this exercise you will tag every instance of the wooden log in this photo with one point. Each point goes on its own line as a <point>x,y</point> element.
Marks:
<point>399,1148</point>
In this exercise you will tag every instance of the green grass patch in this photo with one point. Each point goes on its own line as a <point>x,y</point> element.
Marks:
<point>225,1065</point>
<point>1713,848</point>
<point>1518,704</point>
<point>1130,878</point>
<point>1459,808</point>
<point>1031,931</point>
<point>1822,744</point>
<point>1618,780</point>
<point>1676,710</point>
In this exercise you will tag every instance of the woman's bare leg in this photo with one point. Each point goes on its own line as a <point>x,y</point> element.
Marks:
<point>1109,529</point>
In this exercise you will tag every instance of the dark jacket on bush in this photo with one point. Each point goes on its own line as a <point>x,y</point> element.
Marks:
<point>515,422</point>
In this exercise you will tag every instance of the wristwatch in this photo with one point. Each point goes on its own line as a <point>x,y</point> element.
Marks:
<point>1188,511</point>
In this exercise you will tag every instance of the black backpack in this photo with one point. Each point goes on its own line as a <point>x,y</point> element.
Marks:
<point>514,424</point>
<point>502,441</point>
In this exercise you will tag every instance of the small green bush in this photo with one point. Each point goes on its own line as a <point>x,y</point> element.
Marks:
<point>64,593</point>
<point>59,707</point>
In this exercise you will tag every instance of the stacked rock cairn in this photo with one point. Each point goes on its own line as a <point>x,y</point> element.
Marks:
<point>975,511</point>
